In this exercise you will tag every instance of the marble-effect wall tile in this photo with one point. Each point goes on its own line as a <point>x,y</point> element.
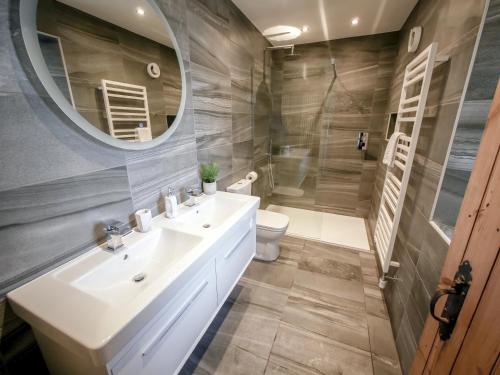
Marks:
<point>81,182</point>
<point>42,225</point>
<point>419,248</point>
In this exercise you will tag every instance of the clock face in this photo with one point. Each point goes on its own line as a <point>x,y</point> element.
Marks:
<point>153,70</point>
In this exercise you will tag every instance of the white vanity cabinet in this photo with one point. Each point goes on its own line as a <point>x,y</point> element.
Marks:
<point>164,346</point>
<point>235,253</point>
<point>142,310</point>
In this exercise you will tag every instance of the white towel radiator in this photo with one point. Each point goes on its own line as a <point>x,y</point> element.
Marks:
<point>126,107</point>
<point>417,79</point>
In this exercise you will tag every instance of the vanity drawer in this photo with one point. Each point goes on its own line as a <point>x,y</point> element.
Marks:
<point>162,349</point>
<point>233,258</point>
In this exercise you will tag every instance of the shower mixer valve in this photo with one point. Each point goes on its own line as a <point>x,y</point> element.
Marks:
<point>362,142</point>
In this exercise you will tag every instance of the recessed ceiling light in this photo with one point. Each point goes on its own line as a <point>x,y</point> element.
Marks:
<point>305,28</point>
<point>355,21</point>
<point>139,11</point>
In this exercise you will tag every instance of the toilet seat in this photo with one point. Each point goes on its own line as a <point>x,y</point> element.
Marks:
<point>271,221</point>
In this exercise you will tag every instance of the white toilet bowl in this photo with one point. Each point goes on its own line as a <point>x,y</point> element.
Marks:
<point>271,226</point>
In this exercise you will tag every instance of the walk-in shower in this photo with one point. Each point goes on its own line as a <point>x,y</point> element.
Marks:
<point>321,96</point>
<point>294,143</point>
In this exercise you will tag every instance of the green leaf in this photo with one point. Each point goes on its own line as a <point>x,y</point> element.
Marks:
<point>209,172</point>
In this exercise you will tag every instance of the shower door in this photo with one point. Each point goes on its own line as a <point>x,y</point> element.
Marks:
<point>298,89</point>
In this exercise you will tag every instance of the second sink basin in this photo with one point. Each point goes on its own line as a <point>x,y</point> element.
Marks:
<point>211,212</point>
<point>132,269</point>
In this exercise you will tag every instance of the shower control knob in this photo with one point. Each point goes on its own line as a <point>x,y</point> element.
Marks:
<point>362,141</point>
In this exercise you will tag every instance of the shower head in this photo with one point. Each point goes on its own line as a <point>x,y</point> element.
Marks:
<point>289,56</point>
<point>292,55</point>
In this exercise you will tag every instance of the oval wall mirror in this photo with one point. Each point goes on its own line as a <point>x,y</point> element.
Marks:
<point>94,58</point>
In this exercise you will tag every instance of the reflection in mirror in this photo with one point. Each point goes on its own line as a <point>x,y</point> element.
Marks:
<point>115,63</point>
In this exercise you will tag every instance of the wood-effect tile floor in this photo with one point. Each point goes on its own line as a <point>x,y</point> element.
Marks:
<point>316,310</point>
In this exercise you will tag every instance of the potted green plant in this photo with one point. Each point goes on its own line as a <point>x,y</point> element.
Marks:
<point>209,174</point>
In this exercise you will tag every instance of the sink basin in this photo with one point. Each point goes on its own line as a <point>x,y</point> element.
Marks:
<point>125,274</point>
<point>95,304</point>
<point>211,212</point>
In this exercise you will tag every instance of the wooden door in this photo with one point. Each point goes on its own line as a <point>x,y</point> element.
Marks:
<point>474,345</point>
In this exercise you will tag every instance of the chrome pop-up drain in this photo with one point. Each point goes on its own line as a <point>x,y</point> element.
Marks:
<point>139,277</point>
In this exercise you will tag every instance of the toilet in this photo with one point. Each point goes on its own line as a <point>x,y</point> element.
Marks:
<point>271,226</point>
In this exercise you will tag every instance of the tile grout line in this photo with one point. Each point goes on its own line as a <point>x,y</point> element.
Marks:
<point>284,307</point>
<point>366,312</point>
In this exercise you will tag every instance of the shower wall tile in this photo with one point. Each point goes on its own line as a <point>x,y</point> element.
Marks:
<point>262,187</point>
<point>261,148</point>
<point>419,248</point>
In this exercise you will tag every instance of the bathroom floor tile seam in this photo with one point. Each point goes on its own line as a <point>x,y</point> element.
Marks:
<point>317,309</point>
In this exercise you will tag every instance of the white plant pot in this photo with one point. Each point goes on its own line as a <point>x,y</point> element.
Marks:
<point>209,187</point>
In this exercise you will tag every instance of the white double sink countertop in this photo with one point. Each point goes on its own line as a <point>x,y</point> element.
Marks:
<point>93,304</point>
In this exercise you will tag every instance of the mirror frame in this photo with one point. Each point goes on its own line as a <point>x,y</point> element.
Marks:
<point>27,14</point>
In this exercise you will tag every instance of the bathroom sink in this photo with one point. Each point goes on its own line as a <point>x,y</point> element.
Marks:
<point>124,275</point>
<point>98,302</point>
<point>211,212</point>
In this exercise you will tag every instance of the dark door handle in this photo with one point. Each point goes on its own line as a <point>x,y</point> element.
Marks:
<point>455,299</point>
<point>440,293</point>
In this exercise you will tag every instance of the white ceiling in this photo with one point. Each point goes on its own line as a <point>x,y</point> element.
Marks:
<point>328,19</point>
<point>123,13</point>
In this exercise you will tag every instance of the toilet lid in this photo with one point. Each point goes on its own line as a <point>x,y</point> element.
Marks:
<point>272,221</point>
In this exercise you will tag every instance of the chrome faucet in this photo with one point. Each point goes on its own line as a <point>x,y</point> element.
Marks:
<point>193,192</point>
<point>115,235</point>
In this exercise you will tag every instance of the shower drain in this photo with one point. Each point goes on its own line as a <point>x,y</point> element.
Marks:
<point>139,277</point>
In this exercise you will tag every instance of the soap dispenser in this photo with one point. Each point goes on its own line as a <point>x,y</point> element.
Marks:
<point>171,206</point>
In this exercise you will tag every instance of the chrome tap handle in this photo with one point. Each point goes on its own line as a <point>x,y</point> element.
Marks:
<point>194,191</point>
<point>111,229</point>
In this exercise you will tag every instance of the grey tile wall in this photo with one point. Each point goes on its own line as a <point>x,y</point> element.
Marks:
<point>421,251</point>
<point>55,180</point>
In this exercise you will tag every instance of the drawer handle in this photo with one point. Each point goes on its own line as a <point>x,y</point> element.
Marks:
<point>174,319</point>
<point>231,252</point>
